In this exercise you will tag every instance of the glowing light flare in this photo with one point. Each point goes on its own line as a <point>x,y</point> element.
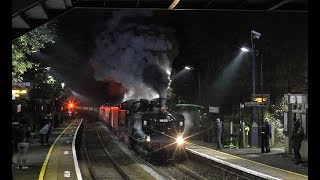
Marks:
<point>148,139</point>
<point>180,140</point>
<point>70,104</point>
<point>260,100</point>
<point>244,49</point>
<point>187,67</point>
<point>16,91</point>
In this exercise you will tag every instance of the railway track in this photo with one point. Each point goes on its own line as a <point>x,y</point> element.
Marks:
<point>102,158</point>
<point>101,164</point>
<point>101,148</point>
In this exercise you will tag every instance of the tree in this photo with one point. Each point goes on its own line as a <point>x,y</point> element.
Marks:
<point>25,45</point>
<point>173,98</point>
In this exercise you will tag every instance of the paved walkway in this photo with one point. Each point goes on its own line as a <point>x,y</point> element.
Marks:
<point>36,155</point>
<point>276,158</point>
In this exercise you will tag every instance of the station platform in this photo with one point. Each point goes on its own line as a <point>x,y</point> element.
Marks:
<point>273,165</point>
<point>52,161</point>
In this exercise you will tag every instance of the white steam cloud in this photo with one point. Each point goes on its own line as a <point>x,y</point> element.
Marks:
<point>128,47</point>
<point>188,123</point>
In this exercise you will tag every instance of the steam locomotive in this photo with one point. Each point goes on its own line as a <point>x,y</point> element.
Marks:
<point>147,127</point>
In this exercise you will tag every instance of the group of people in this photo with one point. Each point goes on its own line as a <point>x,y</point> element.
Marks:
<point>296,138</point>
<point>21,139</point>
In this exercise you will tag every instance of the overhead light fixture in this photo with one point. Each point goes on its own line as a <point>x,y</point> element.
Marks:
<point>255,34</point>
<point>244,49</point>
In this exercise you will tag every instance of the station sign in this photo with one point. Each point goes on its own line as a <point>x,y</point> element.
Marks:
<point>21,84</point>
<point>213,109</point>
<point>261,98</point>
<point>251,104</point>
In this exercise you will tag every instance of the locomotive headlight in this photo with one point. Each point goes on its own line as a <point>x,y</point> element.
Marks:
<point>180,140</point>
<point>181,123</point>
<point>148,139</point>
<point>144,123</point>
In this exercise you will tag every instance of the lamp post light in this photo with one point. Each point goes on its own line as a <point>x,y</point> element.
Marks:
<point>199,90</point>
<point>255,132</point>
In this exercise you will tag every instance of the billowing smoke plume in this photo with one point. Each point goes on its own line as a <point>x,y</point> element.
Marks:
<point>138,55</point>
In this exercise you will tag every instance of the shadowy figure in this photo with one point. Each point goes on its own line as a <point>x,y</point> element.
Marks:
<point>219,129</point>
<point>23,134</point>
<point>297,137</point>
<point>267,136</point>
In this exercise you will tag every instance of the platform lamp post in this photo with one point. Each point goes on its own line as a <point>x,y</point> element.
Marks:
<point>192,68</point>
<point>255,128</point>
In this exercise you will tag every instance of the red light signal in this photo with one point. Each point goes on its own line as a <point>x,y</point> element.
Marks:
<point>71,105</point>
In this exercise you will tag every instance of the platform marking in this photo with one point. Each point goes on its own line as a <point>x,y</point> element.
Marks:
<point>74,153</point>
<point>220,157</point>
<point>250,171</point>
<point>66,152</point>
<point>66,174</point>
<point>290,172</point>
<point>45,163</point>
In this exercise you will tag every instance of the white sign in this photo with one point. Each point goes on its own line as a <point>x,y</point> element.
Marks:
<point>67,173</point>
<point>213,109</point>
<point>66,152</point>
<point>299,99</point>
<point>13,96</point>
<point>293,99</point>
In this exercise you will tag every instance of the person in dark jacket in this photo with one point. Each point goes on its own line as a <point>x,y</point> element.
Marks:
<point>14,131</point>
<point>23,134</point>
<point>267,136</point>
<point>297,137</point>
<point>204,127</point>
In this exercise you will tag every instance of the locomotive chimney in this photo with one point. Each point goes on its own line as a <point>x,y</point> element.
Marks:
<point>163,102</point>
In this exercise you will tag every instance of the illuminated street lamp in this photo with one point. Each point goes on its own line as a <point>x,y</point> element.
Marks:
<point>244,49</point>
<point>191,68</point>
<point>254,35</point>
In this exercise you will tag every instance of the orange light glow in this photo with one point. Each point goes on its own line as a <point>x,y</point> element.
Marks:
<point>70,104</point>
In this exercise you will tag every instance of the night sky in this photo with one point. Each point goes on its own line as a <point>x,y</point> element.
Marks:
<point>103,54</point>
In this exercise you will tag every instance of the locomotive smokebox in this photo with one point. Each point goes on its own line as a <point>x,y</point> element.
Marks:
<point>163,102</point>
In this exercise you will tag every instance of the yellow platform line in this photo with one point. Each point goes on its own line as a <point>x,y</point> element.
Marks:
<point>290,172</point>
<point>44,165</point>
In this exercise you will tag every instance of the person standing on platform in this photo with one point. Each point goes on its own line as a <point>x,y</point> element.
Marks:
<point>246,130</point>
<point>219,129</point>
<point>267,136</point>
<point>204,127</point>
<point>297,137</point>
<point>23,134</point>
